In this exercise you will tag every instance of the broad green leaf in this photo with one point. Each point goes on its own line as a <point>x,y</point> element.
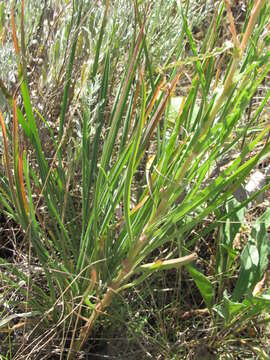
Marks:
<point>204,285</point>
<point>229,309</point>
<point>254,258</point>
<point>174,107</point>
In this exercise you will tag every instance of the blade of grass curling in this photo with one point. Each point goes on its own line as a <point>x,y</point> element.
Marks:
<point>154,97</point>
<point>167,264</point>
<point>149,68</point>
<point>157,116</point>
<point>132,162</point>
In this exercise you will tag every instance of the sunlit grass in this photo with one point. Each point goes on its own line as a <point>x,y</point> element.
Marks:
<point>124,177</point>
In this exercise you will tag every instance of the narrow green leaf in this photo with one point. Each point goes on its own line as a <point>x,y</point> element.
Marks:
<point>131,166</point>
<point>68,74</point>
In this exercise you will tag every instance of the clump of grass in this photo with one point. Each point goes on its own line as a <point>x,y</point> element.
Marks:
<point>86,218</point>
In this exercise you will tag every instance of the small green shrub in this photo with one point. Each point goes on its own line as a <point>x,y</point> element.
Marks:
<point>131,176</point>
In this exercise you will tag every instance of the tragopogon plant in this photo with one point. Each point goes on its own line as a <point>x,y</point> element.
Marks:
<point>89,215</point>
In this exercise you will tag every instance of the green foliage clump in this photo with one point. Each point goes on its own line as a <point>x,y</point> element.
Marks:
<point>130,164</point>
